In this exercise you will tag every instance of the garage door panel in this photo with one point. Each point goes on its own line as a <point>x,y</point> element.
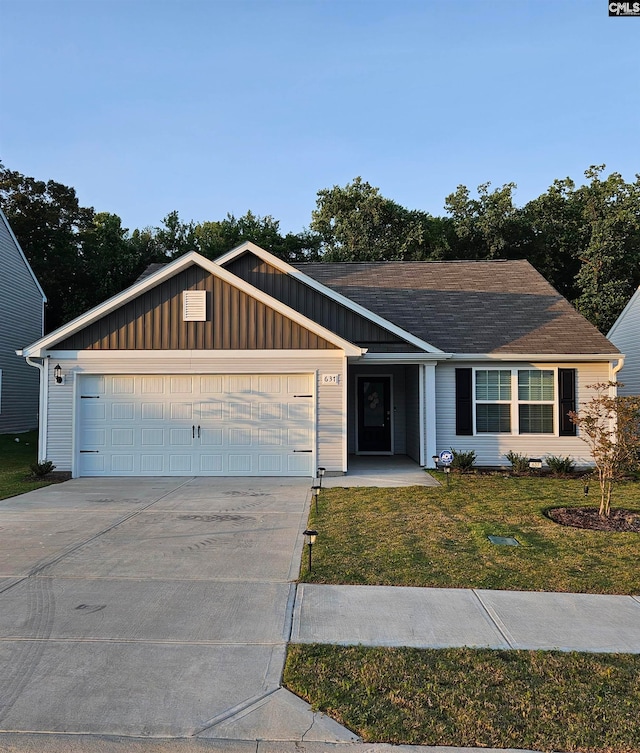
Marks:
<point>196,425</point>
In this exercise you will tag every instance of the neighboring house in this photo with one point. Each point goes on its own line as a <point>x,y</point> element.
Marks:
<point>252,366</point>
<point>625,335</point>
<point>21,321</point>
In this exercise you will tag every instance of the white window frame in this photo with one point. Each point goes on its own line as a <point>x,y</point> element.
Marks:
<point>515,403</point>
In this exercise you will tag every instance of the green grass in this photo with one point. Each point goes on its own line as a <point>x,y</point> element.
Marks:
<point>437,536</point>
<point>541,700</point>
<point>15,459</point>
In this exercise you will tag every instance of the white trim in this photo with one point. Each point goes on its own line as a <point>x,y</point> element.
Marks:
<point>431,439</point>
<point>345,416</point>
<point>43,395</point>
<point>514,404</point>
<point>24,259</point>
<point>287,268</point>
<point>399,358</point>
<point>391,414</point>
<point>623,313</point>
<point>194,355</point>
<point>169,271</point>
<point>541,357</point>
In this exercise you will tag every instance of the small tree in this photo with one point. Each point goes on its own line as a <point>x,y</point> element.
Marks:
<point>610,426</point>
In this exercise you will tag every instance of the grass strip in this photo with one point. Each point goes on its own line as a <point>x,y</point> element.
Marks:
<point>437,537</point>
<point>541,700</point>
<point>15,459</point>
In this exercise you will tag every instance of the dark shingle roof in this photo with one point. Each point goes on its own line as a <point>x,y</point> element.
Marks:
<point>467,307</point>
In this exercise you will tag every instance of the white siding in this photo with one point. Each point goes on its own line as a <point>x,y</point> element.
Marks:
<point>491,448</point>
<point>412,393</point>
<point>625,335</point>
<point>21,307</point>
<point>330,437</point>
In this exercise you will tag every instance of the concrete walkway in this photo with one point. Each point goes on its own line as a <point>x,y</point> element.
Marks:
<point>447,617</point>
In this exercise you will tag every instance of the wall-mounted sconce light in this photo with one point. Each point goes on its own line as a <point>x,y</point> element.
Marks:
<point>57,373</point>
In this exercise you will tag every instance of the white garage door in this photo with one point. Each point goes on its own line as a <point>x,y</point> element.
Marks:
<point>196,425</point>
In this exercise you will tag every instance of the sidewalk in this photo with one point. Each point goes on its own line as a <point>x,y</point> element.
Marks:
<point>447,617</point>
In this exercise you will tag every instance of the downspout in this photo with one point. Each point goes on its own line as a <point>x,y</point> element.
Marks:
<point>42,408</point>
<point>613,375</point>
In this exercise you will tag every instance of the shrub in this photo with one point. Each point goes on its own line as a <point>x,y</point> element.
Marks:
<point>40,470</point>
<point>519,463</point>
<point>561,466</point>
<point>463,460</point>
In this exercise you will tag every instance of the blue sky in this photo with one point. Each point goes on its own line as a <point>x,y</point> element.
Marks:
<point>216,106</point>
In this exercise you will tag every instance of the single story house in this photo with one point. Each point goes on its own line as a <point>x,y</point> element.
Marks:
<point>248,365</point>
<point>22,302</point>
<point>625,334</point>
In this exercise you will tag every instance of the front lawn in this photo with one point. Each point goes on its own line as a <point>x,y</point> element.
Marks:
<point>540,700</point>
<point>15,459</point>
<point>437,536</point>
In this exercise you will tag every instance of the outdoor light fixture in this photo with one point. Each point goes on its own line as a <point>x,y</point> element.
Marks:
<point>321,472</point>
<point>435,459</point>
<point>586,490</point>
<point>310,538</point>
<point>315,490</point>
<point>57,373</point>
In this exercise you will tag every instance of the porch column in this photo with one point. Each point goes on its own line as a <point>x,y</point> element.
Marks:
<point>428,443</point>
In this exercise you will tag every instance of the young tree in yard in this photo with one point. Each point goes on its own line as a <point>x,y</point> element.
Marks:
<point>610,426</point>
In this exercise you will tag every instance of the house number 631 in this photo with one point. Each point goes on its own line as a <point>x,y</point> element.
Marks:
<point>331,379</point>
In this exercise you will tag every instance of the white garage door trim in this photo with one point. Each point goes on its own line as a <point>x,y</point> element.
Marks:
<point>196,425</point>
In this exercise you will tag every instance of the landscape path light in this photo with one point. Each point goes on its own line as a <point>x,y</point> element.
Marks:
<point>310,537</point>
<point>321,472</point>
<point>315,490</point>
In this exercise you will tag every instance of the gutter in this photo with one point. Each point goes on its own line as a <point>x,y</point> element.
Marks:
<point>42,406</point>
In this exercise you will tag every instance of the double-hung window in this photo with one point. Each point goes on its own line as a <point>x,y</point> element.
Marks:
<point>514,401</point>
<point>536,401</point>
<point>493,401</point>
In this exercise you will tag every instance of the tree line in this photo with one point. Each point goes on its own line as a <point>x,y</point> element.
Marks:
<point>584,239</point>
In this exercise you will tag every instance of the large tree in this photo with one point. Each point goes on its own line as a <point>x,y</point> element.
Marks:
<point>357,223</point>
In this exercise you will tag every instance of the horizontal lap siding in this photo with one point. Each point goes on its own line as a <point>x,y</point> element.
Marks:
<point>20,325</point>
<point>626,337</point>
<point>490,449</point>
<point>330,438</point>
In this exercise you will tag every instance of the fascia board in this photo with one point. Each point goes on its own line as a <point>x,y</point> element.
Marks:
<point>551,357</point>
<point>285,267</point>
<point>85,356</point>
<point>166,272</point>
<point>632,302</point>
<point>22,254</point>
<point>404,357</point>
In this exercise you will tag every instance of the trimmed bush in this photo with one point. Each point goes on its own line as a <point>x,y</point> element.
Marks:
<point>463,460</point>
<point>559,465</point>
<point>519,463</point>
<point>40,470</point>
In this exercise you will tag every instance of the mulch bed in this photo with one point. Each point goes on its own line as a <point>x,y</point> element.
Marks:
<point>619,521</point>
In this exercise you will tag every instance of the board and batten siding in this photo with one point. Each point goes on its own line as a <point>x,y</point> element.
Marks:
<point>330,431</point>
<point>491,448</point>
<point>21,317</point>
<point>625,335</point>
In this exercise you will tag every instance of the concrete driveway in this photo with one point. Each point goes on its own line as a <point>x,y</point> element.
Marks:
<point>138,607</point>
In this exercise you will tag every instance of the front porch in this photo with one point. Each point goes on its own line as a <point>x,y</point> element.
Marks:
<point>381,471</point>
<point>390,412</point>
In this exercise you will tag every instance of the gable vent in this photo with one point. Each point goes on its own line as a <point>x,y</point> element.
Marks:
<point>194,305</point>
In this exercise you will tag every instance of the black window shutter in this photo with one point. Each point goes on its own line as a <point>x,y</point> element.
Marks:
<point>567,400</point>
<point>464,403</point>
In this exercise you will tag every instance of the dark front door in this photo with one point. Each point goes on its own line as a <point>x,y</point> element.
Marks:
<point>374,414</point>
